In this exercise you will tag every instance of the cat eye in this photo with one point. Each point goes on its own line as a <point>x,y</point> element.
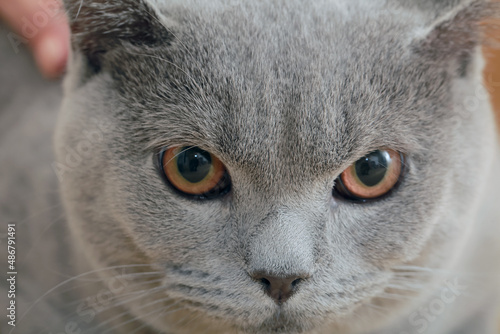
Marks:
<point>371,177</point>
<point>194,172</point>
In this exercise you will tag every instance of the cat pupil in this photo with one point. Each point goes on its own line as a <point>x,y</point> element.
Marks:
<point>194,164</point>
<point>372,168</point>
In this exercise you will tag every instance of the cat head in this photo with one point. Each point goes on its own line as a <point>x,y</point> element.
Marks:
<point>280,106</point>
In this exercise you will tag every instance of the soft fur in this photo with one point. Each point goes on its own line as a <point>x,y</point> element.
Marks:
<point>288,94</point>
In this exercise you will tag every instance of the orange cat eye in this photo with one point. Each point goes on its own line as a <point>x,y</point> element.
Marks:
<point>194,171</point>
<point>372,176</point>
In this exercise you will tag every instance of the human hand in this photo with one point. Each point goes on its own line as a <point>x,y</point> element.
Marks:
<point>43,25</point>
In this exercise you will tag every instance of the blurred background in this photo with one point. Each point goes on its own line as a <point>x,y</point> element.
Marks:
<point>492,70</point>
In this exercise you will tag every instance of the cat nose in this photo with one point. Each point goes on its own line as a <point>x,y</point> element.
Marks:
<point>280,289</point>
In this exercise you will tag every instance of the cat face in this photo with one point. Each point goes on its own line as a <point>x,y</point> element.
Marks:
<point>286,96</point>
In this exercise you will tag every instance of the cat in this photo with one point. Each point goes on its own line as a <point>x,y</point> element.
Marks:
<point>254,166</point>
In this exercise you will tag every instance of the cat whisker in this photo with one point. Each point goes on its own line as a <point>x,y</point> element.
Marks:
<point>79,9</point>
<point>168,308</point>
<point>127,276</point>
<point>406,287</point>
<point>379,310</point>
<point>179,153</point>
<point>135,285</point>
<point>145,293</point>
<point>172,64</point>
<point>178,40</point>
<point>138,318</point>
<point>146,324</point>
<point>142,293</point>
<point>74,278</point>
<point>427,270</point>
<point>360,319</point>
<point>38,213</point>
<point>411,275</point>
<point>189,319</point>
<point>123,314</point>
<point>393,296</point>
<point>36,241</point>
<point>418,280</point>
<point>124,286</point>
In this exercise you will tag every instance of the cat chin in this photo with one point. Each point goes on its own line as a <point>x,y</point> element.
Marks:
<point>192,320</point>
<point>334,323</point>
<point>274,324</point>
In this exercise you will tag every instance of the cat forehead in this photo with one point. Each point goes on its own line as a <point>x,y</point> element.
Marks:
<point>323,82</point>
<point>272,27</point>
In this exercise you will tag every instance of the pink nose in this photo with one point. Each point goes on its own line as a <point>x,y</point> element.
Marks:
<point>280,289</point>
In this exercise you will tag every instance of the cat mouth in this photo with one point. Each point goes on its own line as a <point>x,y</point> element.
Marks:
<point>281,323</point>
<point>280,328</point>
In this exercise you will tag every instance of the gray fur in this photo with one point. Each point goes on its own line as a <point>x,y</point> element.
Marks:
<point>287,94</point>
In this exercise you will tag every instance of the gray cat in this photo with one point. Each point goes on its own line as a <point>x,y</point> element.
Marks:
<point>260,166</point>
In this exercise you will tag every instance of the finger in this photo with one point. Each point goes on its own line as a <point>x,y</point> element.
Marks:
<point>51,48</point>
<point>43,24</point>
<point>14,12</point>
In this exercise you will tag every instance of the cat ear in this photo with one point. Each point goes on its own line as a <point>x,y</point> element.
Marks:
<point>457,29</point>
<point>98,26</point>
